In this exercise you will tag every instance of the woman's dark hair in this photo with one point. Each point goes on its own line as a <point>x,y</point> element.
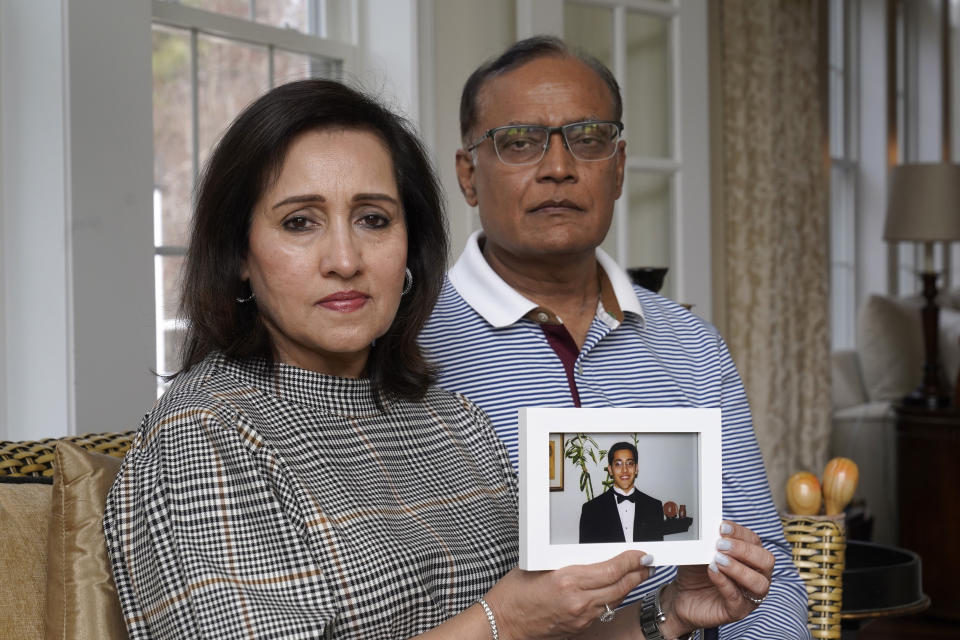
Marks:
<point>244,164</point>
<point>519,54</point>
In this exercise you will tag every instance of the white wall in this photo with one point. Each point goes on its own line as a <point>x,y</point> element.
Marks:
<point>389,42</point>
<point>111,185</point>
<point>667,470</point>
<point>459,35</point>
<point>75,85</point>
<point>35,288</point>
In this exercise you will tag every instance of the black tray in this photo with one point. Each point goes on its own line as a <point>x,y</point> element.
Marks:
<point>879,577</point>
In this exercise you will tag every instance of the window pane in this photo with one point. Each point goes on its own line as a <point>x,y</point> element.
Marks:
<point>287,14</point>
<point>648,86</point>
<point>590,28</point>
<point>289,66</point>
<point>169,328</point>
<point>650,201</point>
<point>230,76</point>
<point>172,135</point>
<point>235,8</point>
<point>843,300</point>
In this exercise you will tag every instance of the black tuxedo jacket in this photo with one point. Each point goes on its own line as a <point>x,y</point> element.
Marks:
<point>600,519</point>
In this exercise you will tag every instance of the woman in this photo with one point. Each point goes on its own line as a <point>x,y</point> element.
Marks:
<point>301,477</point>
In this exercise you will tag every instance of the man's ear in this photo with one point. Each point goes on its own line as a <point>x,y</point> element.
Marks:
<point>621,165</point>
<point>465,175</point>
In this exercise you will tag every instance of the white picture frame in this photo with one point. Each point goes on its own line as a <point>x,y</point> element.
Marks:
<point>681,446</point>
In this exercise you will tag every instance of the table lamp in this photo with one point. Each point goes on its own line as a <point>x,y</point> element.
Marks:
<point>924,206</point>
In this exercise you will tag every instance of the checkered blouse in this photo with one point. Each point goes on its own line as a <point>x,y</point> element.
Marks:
<point>278,502</point>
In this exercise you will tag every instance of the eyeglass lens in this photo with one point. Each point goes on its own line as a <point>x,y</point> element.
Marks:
<point>527,144</point>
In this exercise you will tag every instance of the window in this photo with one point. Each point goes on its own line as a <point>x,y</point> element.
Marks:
<point>637,43</point>
<point>210,59</point>
<point>844,132</point>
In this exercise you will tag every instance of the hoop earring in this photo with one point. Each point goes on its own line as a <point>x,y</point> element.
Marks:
<point>249,298</point>
<point>407,282</point>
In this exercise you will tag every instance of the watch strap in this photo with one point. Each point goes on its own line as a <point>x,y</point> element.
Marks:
<point>652,616</point>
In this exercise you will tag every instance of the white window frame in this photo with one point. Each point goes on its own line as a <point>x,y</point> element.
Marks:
<point>843,79</point>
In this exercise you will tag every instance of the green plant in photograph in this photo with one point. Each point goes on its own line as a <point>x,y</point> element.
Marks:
<point>578,449</point>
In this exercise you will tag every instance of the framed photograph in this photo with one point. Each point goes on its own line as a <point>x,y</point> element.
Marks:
<point>645,479</point>
<point>555,461</point>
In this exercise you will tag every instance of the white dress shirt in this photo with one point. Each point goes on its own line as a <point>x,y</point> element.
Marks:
<point>627,510</point>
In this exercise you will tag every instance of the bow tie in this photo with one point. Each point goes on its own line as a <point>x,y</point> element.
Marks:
<point>620,497</point>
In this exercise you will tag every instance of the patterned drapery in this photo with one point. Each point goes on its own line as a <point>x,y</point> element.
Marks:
<point>776,227</point>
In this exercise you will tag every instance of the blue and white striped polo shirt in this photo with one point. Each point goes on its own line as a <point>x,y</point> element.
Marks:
<point>660,355</point>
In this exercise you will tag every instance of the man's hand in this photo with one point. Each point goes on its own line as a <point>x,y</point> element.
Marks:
<point>726,591</point>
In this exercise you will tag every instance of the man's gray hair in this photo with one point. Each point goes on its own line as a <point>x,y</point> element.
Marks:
<point>517,55</point>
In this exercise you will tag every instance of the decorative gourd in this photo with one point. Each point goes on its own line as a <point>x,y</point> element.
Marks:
<point>803,494</point>
<point>840,478</point>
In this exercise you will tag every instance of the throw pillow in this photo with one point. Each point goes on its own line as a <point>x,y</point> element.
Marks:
<point>82,600</point>
<point>24,509</point>
<point>949,299</point>
<point>948,341</point>
<point>890,346</point>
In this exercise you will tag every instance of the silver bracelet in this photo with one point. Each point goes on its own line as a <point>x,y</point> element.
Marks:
<point>493,621</point>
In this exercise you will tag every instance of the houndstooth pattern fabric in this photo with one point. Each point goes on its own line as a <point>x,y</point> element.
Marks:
<point>263,501</point>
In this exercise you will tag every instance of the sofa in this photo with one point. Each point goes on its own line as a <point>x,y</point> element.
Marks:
<point>866,383</point>
<point>57,581</point>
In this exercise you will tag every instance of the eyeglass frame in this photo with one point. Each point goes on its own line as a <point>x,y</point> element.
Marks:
<point>489,133</point>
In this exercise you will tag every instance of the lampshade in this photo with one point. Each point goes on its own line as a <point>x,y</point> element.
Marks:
<point>923,203</point>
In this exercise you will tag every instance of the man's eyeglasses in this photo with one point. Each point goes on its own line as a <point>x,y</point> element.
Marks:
<point>620,464</point>
<point>590,141</point>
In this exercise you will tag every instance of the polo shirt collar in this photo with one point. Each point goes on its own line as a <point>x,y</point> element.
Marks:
<point>501,305</point>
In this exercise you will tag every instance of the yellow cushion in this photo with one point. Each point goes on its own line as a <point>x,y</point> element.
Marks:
<point>24,509</point>
<point>81,597</point>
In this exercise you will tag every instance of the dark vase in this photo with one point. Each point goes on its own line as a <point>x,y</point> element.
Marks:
<point>648,277</point>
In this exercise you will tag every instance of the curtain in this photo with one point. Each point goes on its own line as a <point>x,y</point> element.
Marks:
<point>776,226</point>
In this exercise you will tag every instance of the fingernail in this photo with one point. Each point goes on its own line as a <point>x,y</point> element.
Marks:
<point>725,528</point>
<point>713,567</point>
<point>722,559</point>
<point>724,545</point>
<point>646,560</point>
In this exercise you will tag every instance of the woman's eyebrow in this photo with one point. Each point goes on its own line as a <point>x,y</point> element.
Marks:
<point>375,196</point>
<point>308,197</point>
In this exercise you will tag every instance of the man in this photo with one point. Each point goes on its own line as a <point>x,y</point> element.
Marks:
<point>535,314</point>
<point>622,512</point>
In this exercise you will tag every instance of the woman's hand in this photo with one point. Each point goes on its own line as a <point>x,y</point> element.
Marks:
<point>542,604</point>
<point>729,589</point>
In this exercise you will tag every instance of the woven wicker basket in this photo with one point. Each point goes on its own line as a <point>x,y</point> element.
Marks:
<point>818,546</point>
<point>35,457</point>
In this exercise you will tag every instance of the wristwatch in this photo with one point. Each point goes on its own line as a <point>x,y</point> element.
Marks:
<point>652,616</point>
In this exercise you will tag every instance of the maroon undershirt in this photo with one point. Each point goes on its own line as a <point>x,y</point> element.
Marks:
<point>567,350</point>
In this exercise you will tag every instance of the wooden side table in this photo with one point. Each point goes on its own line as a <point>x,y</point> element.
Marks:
<point>928,482</point>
